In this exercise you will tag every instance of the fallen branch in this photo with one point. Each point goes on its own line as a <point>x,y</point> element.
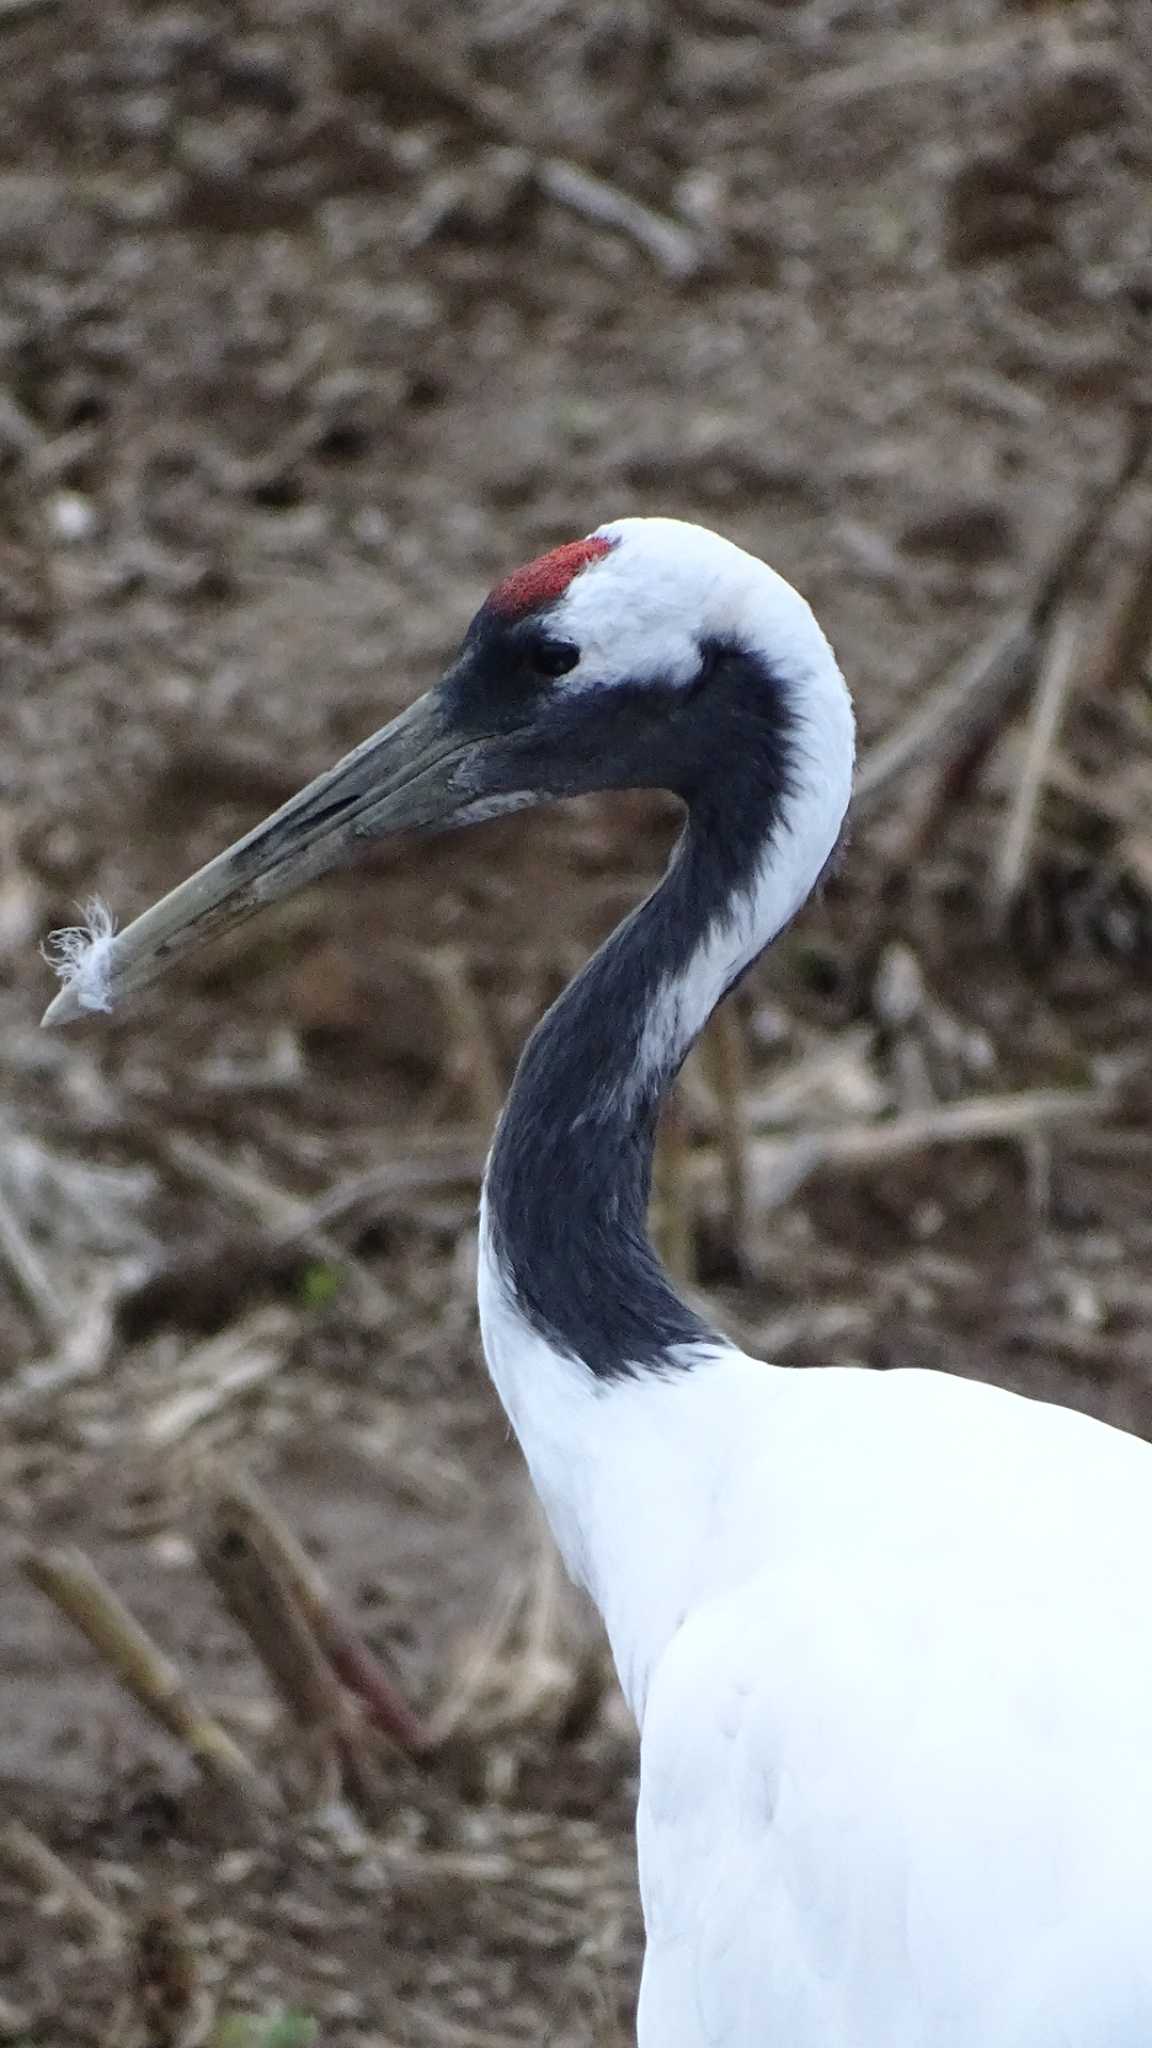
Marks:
<point>73,1584</point>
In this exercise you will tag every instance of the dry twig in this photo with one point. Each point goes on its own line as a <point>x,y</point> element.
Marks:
<point>671,246</point>
<point>668,243</point>
<point>81,1354</point>
<point>1057,673</point>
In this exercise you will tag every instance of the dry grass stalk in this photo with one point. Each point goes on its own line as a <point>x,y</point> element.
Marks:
<point>474,1041</point>
<point>244,1523</point>
<point>778,1166</point>
<point>1122,635</point>
<point>669,244</point>
<point>1113,1354</point>
<point>942,721</point>
<point>33,1280</point>
<point>539,1672</point>
<point>169,2007</point>
<point>952,729</point>
<point>263,1602</point>
<point>726,1057</point>
<point>81,1354</point>
<point>516,1668</point>
<point>1058,670</point>
<point>905,60</point>
<point>477,1673</point>
<point>221,1371</point>
<point>286,1218</point>
<point>429,1168</point>
<point>837,1068</point>
<point>35,1864</point>
<point>672,247</point>
<point>673,1216</point>
<point>270,1205</point>
<point>71,1581</point>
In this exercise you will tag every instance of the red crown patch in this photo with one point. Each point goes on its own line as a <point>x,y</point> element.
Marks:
<point>547,578</point>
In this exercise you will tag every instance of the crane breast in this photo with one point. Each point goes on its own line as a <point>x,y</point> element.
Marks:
<point>877,1811</point>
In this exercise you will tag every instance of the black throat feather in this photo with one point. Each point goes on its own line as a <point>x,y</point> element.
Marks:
<point>570,1174</point>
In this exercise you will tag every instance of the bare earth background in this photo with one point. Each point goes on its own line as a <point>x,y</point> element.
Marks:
<point>313,321</point>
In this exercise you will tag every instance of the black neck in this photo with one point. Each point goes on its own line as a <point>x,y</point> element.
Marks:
<point>570,1174</point>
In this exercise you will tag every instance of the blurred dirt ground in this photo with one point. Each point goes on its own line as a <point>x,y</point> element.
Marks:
<point>313,321</point>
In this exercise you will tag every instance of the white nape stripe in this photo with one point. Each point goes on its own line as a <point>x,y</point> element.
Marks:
<point>802,843</point>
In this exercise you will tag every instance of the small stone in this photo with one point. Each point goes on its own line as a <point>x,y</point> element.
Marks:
<point>15,2021</point>
<point>968,529</point>
<point>73,516</point>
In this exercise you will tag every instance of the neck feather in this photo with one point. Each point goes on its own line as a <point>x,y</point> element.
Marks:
<point>568,1182</point>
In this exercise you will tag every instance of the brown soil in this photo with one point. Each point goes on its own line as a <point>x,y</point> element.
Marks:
<point>301,345</point>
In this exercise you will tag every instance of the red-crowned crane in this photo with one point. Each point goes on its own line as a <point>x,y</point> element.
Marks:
<point>887,1636</point>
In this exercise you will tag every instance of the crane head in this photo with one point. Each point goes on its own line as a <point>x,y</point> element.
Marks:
<point>652,654</point>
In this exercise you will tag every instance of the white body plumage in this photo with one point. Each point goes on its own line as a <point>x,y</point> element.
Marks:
<point>888,1640</point>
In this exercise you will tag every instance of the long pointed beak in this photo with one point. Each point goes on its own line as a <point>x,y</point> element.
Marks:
<point>412,776</point>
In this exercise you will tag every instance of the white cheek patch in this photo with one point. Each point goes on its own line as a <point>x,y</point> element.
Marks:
<point>630,626</point>
<point>644,611</point>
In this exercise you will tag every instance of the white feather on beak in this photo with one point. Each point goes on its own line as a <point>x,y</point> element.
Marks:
<point>79,956</point>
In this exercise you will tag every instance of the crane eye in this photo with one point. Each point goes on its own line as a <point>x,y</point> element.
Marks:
<point>553,657</point>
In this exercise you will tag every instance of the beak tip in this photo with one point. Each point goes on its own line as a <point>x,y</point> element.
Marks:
<point>63,1009</point>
